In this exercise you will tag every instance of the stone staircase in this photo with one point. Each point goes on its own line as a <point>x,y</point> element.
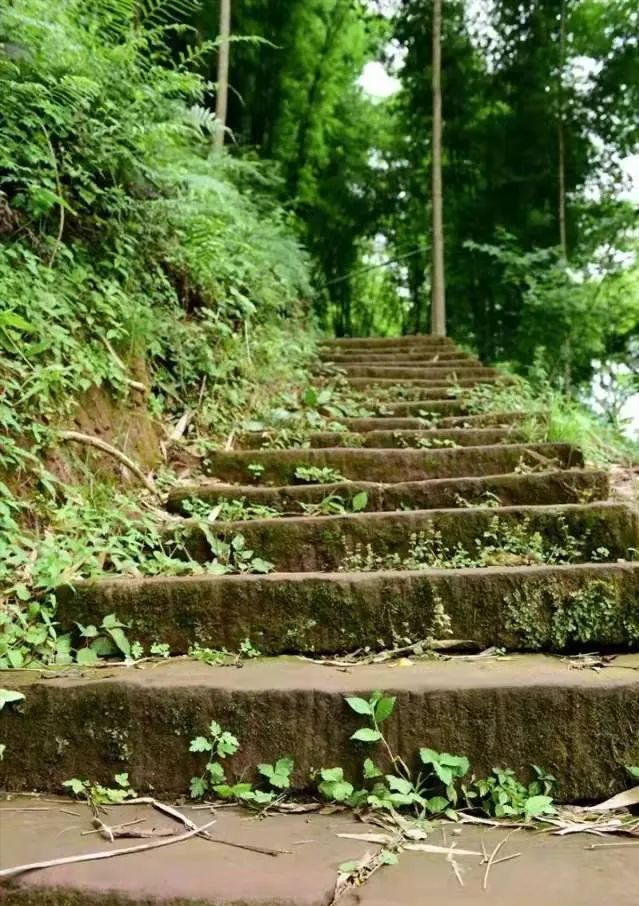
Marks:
<point>530,705</point>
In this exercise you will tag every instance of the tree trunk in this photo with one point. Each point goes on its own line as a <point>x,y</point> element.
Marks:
<point>221,105</point>
<point>438,302</point>
<point>561,155</point>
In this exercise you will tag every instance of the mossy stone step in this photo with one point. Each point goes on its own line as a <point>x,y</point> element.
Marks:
<point>437,388</point>
<point>420,341</point>
<point>432,438</point>
<point>389,423</point>
<point>579,724</point>
<point>279,466</point>
<point>402,357</point>
<point>422,407</point>
<point>550,608</point>
<point>440,373</point>
<point>512,489</point>
<point>315,543</point>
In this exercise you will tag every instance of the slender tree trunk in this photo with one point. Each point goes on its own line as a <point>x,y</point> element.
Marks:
<point>561,164</point>
<point>561,155</point>
<point>222,99</point>
<point>438,301</point>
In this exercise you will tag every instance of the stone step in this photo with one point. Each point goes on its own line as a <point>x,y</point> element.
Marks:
<point>551,608</point>
<point>402,357</point>
<point>579,724</point>
<point>452,437</point>
<point>420,341</point>
<point>314,543</point>
<point>279,466</point>
<point>388,423</point>
<point>441,373</point>
<point>410,390</point>
<point>437,388</point>
<point>561,486</point>
<point>421,407</point>
<point>552,870</point>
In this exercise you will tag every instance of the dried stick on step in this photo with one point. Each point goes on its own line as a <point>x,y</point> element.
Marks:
<point>186,821</point>
<point>91,441</point>
<point>104,854</point>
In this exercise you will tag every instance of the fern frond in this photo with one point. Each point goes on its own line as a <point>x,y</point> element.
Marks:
<point>203,119</point>
<point>163,12</point>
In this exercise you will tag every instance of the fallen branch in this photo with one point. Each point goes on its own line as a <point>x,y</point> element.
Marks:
<point>104,854</point>
<point>91,441</point>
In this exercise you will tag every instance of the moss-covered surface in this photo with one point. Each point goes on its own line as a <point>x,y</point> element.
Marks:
<point>436,373</point>
<point>434,438</point>
<point>279,466</point>
<point>573,486</point>
<point>306,544</point>
<point>408,423</point>
<point>534,608</point>
<point>579,724</point>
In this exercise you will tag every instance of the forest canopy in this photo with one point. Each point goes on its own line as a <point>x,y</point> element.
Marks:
<point>539,107</point>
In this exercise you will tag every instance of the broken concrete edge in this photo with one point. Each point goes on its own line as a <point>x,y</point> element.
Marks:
<point>553,608</point>
<point>514,711</point>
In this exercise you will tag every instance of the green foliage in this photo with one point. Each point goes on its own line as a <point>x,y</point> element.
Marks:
<point>502,543</point>
<point>318,475</point>
<point>442,783</point>
<point>336,505</point>
<point>9,696</point>
<point>237,510</point>
<point>102,641</point>
<point>502,795</point>
<point>127,248</point>
<point>218,745</point>
<point>97,795</point>
<point>550,416</point>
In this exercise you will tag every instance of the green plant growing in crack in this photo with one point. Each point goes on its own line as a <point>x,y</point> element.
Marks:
<point>318,475</point>
<point>335,505</point>
<point>502,543</point>
<point>96,795</point>
<point>218,745</point>
<point>549,615</point>
<point>439,787</point>
<point>228,510</point>
<point>8,697</point>
<point>232,555</point>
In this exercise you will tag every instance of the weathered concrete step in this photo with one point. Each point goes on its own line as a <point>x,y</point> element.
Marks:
<point>417,407</point>
<point>572,486</point>
<point>279,466</point>
<point>461,437</point>
<point>427,372</point>
<point>551,608</point>
<point>419,389</point>
<point>420,341</point>
<point>401,357</point>
<point>437,388</point>
<point>552,870</point>
<point>579,724</point>
<point>315,543</point>
<point>388,423</point>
